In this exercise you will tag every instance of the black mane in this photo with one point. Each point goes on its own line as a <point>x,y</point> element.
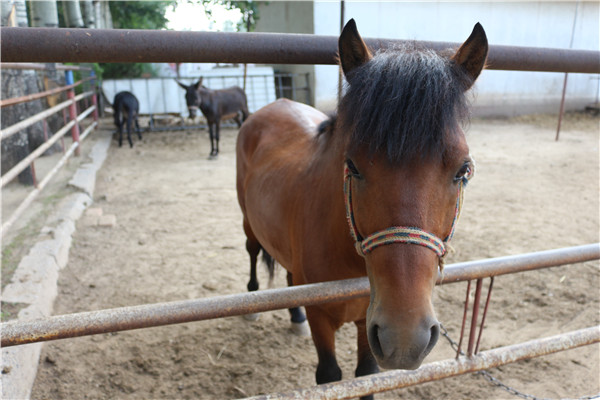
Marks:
<point>401,102</point>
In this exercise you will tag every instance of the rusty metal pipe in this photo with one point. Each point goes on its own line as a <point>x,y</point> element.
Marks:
<point>397,379</point>
<point>121,45</point>
<point>518,263</point>
<point>59,67</point>
<point>474,317</point>
<point>35,96</point>
<point>150,315</point>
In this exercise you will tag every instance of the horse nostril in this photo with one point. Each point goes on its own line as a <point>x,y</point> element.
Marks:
<point>374,341</point>
<point>433,338</point>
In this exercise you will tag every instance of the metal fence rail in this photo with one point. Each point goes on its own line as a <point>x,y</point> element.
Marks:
<point>72,125</point>
<point>398,379</point>
<point>152,315</point>
<point>120,45</point>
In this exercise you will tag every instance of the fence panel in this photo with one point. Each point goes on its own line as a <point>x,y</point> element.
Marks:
<point>75,119</point>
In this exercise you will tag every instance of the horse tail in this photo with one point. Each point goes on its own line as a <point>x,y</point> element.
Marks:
<point>270,262</point>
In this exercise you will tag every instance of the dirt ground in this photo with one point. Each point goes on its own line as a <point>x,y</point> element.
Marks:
<point>178,235</point>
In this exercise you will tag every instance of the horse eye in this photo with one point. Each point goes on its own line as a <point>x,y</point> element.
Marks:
<point>352,168</point>
<point>464,172</point>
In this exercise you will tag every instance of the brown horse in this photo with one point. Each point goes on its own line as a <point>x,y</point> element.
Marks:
<point>398,150</point>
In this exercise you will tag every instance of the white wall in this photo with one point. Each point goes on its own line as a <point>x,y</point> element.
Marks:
<point>534,24</point>
<point>164,96</point>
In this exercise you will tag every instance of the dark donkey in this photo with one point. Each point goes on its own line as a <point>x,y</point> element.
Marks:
<point>127,108</point>
<point>216,105</point>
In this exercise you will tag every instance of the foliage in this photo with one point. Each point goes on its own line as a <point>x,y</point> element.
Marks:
<point>135,15</point>
<point>139,14</point>
<point>249,10</point>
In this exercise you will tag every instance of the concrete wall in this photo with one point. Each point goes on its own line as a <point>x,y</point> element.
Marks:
<point>289,17</point>
<point>536,24</point>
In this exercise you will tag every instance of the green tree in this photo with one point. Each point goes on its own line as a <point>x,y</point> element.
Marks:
<point>140,14</point>
<point>249,10</point>
<point>135,15</point>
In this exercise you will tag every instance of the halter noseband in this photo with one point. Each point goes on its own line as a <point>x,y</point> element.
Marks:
<point>400,234</point>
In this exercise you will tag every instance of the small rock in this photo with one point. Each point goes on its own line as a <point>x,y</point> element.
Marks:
<point>108,221</point>
<point>94,212</point>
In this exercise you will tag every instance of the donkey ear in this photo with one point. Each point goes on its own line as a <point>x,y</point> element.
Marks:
<point>353,50</point>
<point>181,84</point>
<point>198,84</point>
<point>472,54</point>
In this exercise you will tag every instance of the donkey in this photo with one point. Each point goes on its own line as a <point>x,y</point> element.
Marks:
<point>216,105</point>
<point>127,108</point>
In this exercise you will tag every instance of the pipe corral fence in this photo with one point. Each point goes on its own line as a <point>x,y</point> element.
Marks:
<point>72,119</point>
<point>84,45</point>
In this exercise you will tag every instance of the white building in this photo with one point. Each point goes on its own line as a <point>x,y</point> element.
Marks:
<point>533,23</point>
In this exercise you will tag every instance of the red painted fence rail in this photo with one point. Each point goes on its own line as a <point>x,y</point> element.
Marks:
<point>73,125</point>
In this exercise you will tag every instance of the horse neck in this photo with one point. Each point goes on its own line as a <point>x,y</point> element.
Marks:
<point>326,168</point>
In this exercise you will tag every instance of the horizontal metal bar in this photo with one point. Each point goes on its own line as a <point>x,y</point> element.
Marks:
<point>24,163</point>
<point>120,45</point>
<point>11,130</point>
<point>59,67</point>
<point>150,315</point>
<point>519,263</point>
<point>6,225</point>
<point>397,379</point>
<point>35,96</point>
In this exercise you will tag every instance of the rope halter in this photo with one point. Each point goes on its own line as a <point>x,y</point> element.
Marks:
<point>401,234</point>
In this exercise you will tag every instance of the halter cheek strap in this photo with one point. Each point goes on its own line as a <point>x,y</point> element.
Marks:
<point>400,234</point>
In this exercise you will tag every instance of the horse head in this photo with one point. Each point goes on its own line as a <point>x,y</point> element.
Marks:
<point>406,163</point>
<point>192,96</point>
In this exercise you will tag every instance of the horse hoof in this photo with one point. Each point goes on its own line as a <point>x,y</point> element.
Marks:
<point>251,317</point>
<point>300,328</point>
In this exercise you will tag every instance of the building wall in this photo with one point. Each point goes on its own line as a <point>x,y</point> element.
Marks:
<point>289,17</point>
<point>533,23</point>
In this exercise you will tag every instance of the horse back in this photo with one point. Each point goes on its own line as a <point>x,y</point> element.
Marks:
<point>277,129</point>
<point>273,148</point>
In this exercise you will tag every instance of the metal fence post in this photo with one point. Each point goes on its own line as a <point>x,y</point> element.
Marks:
<point>72,110</point>
<point>94,96</point>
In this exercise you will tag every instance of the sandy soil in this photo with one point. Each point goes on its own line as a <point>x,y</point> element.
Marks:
<point>178,236</point>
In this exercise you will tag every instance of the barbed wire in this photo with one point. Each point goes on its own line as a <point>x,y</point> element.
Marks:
<point>486,375</point>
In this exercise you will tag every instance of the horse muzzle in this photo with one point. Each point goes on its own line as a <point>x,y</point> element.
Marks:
<point>401,348</point>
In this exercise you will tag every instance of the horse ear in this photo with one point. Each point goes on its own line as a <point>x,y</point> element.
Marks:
<point>198,84</point>
<point>181,84</point>
<point>472,54</point>
<point>353,51</point>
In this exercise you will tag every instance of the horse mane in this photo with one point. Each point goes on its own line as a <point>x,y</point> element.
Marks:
<point>401,103</point>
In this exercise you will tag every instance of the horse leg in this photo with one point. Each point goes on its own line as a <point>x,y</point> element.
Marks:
<point>253,248</point>
<point>366,361</point>
<point>299,325</point>
<point>323,335</point>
